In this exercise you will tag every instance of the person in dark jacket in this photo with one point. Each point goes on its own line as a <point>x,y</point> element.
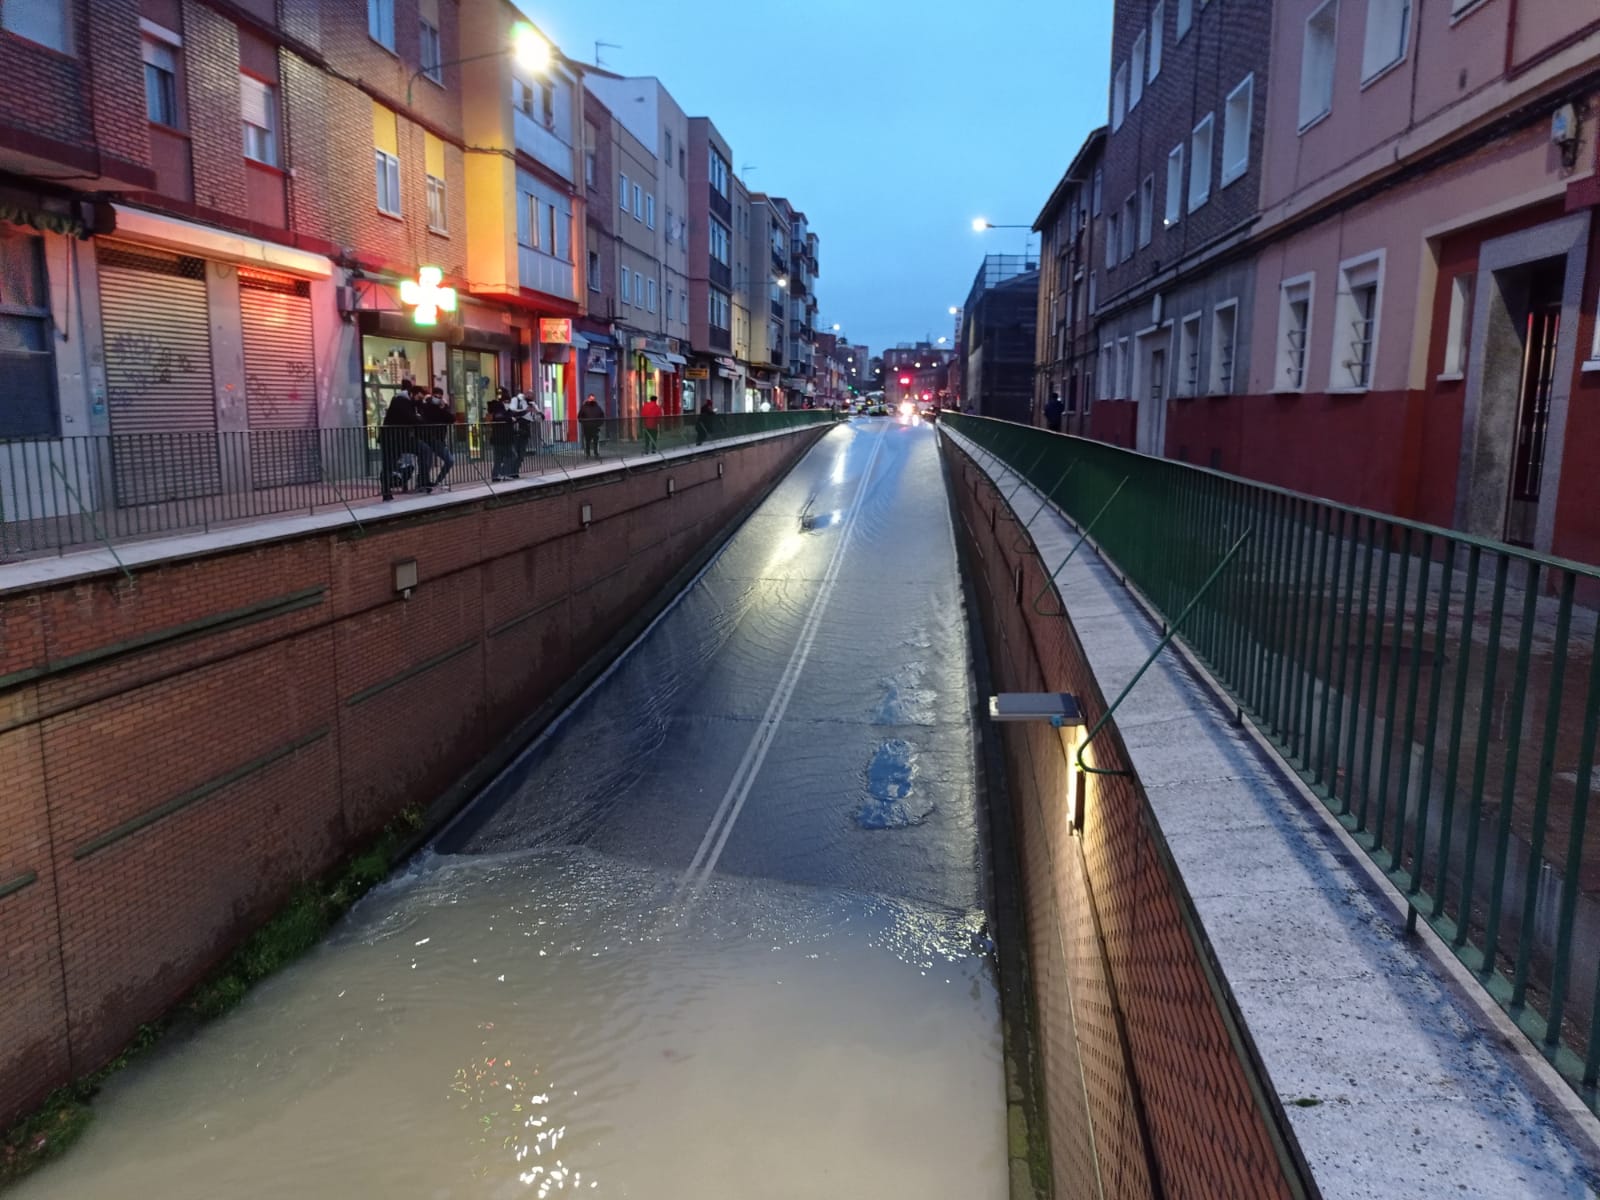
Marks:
<point>1053,408</point>
<point>397,435</point>
<point>437,432</point>
<point>705,422</point>
<point>590,418</point>
<point>502,432</point>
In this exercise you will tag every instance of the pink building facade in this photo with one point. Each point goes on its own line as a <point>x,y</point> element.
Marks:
<point>1423,338</point>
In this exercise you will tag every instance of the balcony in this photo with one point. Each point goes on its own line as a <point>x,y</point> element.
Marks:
<point>777,356</point>
<point>778,309</point>
<point>721,206</point>
<point>720,274</point>
<point>719,339</point>
<point>543,144</point>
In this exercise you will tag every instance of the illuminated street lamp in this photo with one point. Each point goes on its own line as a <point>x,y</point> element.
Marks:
<point>532,52</point>
<point>954,310</point>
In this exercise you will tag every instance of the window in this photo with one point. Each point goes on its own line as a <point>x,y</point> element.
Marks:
<point>1458,335</point>
<point>380,22</point>
<point>1294,334</point>
<point>719,176</point>
<point>27,340</point>
<point>1174,208</point>
<point>719,309</point>
<point>1130,217</point>
<point>549,230</point>
<point>622,189</point>
<point>1355,330</point>
<point>1200,163</point>
<point>1093,304</point>
<point>650,211</point>
<point>547,101</point>
<point>1119,97</point>
<point>1098,177</point>
<point>719,241</point>
<point>428,51</point>
<point>638,203</point>
<point>1189,356</point>
<point>433,180</point>
<point>1185,17</point>
<point>41,21</point>
<point>1124,383</point>
<point>1236,130</point>
<point>683,172</point>
<point>650,293</point>
<point>1457,7</point>
<point>1107,363</point>
<point>436,213</point>
<point>522,97</point>
<point>594,270</point>
<point>590,161</point>
<point>258,115</point>
<point>1388,31</point>
<point>1224,328</point>
<point>668,155</point>
<point>1111,241</point>
<point>1147,208</point>
<point>1316,64</point>
<point>1158,21</point>
<point>1136,78</point>
<point>386,158</point>
<point>627,286</point>
<point>161,82</point>
<point>667,307</point>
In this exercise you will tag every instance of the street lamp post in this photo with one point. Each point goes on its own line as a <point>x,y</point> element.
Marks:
<point>532,52</point>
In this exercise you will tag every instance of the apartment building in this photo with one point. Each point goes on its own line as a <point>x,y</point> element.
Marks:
<point>1178,192</point>
<point>803,271</point>
<point>769,265</point>
<point>1065,349</point>
<point>641,287</point>
<point>745,298</point>
<point>1425,341</point>
<point>711,234</point>
<point>599,360</point>
<point>997,341</point>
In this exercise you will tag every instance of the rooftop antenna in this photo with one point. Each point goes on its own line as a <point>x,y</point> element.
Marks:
<point>599,46</point>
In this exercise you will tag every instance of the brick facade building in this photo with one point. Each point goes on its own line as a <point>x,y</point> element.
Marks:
<point>1065,349</point>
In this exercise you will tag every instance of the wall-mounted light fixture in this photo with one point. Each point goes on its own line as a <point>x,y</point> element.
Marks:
<point>405,577</point>
<point>672,486</point>
<point>1062,711</point>
<point>586,515</point>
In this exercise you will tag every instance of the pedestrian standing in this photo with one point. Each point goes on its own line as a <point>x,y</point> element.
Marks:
<point>522,427</point>
<point>651,412</point>
<point>1053,408</point>
<point>500,421</point>
<point>397,436</point>
<point>590,419</point>
<point>705,422</point>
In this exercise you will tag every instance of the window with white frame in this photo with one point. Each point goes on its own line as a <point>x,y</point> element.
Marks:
<point>627,286</point>
<point>1174,202</point>
<point>1387,36</point>
<point>1147,209</point>
<point>1185,17</point>
<point>27,339</point>
<point>590,161</point>
<point>650,211</point>
<point>667,306</point>
<point>1136,73</point>
<point>1093,298</point>
<point>1119,97</point>
<point>594,270</point>
<point>719,241</point>
<point>258,119</point>
<point>428,50</point>
<point>719,309</point>
<point>1158,33</point>
<point>638,203</point>
<point>719,178</point>
<point>1224,342</point>
<point>622,189</point>
<point>1095,190</point>
<point>1130,218</point>
<point>650,295</point>
<point>1236,120</point>
<point>1107,369</point>
<point>1200,163</point>
<point>1316,64</point>
<point>436,205</point>
<point>1124,370</point>
<point>1294,333</point>
<point>46,22</point>
<point>380,22</point>
<point>1457,7</point>
<point>1189,356</point>
<point>1458,333</point>
<point>683,296</point>
<point>1112,244</point>
<point>387,169</point>
<point>1355,323</point>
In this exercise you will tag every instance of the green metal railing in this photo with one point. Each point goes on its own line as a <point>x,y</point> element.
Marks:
<point>60,493</point>
<point>1439,692</point>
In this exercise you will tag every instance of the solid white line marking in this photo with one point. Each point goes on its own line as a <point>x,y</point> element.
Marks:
<point>700,868</point>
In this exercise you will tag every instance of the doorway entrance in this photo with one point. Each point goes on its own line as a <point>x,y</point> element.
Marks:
<point>1540,334</point>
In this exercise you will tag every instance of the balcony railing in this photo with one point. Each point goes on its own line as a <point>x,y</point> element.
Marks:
<point>67,493</point>
<point>1439,692</point>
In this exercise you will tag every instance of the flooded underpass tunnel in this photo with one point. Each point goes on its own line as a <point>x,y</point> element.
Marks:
<point>719,932</point>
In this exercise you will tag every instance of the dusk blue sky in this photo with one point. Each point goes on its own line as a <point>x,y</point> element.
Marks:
<point>892,123</point>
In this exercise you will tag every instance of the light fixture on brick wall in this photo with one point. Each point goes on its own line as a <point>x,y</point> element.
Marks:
<point>586,515</point>
<point>720,465</point>
<point>405,577</point>
<point>672,486</point>
<point>1062,711</point>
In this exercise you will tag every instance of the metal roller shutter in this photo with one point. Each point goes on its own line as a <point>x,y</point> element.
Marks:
<point>158,374</point>
<point>280,379</point>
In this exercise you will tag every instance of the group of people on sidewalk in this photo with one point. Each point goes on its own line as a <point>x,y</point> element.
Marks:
<point>418,428</point>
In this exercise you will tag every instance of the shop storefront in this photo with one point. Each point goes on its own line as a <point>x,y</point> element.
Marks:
<point>597,364</point>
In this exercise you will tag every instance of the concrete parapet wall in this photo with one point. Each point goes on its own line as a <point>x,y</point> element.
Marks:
<point>179,752</point>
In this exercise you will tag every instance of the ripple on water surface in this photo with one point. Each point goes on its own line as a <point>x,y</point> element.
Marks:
<point>550,1023</point>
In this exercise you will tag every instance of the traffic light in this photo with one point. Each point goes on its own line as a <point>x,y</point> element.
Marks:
<point>905,381</point>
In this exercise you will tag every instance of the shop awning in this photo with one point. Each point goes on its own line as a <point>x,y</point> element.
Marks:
<point>676,359</point>
<point>727,374</point>
<point>659,361</point>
